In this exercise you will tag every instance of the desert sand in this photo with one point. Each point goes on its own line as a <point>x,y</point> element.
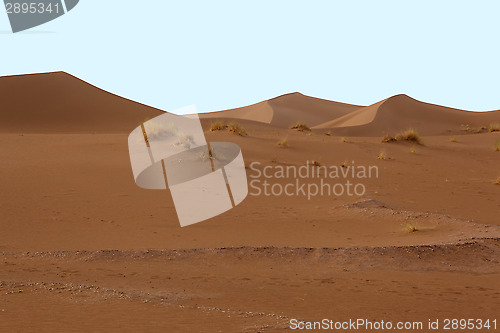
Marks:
<point>84,249</point>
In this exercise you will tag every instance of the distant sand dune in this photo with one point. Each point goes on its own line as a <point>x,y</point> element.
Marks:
<point>286,110</point>
<point>401,111</point>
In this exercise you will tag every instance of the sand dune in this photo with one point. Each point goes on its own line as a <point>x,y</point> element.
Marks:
<point>388,116</point>
<point>60,102</point>
<point>401,112</point>
<point>285,110</point>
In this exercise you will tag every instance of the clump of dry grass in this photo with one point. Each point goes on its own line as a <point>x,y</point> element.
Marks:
<point>473,130</point>
<point>315,163</point>
<point>453,139</point>
<point>283,143</point>
<point>218,125</point>
<point>382,155</point>
<point>497,181</point>
<point>411,227</point>
<point>494,127</point>
<point>410,135</point>
<point>343,139</point>
<point>497,146</point>
<point>388,138</point>
<point>300,126</point>
<point>413,150</point>
<point>236,128</point>
<point>329,133</point>
<point>185,141</point>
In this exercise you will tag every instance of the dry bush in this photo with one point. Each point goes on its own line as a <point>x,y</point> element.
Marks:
<point>410,135</point>
<point>388,138</point>
<point>343,139</point>
<point>283,143</point>
<point>329,133</point>
<point>411,227</point>
<point>497,146</point>
<point>236,128</point>
<point>413,149</point>
<point>382,155</point>
<point>473,130</point>
<point>300,126</point>
<point>453,139</point>
<point>497,181</point>
<point>315,163</point>
<point>495,127</point>
<point>218,125</point>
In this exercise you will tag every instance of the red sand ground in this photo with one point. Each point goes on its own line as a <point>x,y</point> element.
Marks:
<point>85,249</point>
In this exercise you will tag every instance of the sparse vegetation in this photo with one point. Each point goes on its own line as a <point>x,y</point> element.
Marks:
<point>497,181</point>
<point>218,125</point>
<point>236,128</point>
<point>328,133</point>
<point>343,139</point>
<point>388,138</point>
<point>283,143</point>
<point>410,135</point>
<point>497,146</point>
<point>206,155</point>
<point>315,163</point>
<point>453,139</point>
<point>185,141</point>
<point>344,164</point>
<point>473,130</point>
<point>411,227</point>
<point>382,155</point>
<point>300,126</point>
<point>495,127</point>
<point>413,150</point>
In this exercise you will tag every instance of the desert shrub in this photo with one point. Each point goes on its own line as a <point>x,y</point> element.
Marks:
<point>315,163</point>
<point>473,130</point>
<point>410,135</point>
<point>495,127</point>
<point>382,155</point>
<point>283,143</point>
<point>236,128</point>
<point>388,138</point>
<point>497,146</point>
<point>329,133</point>
<point>411,227</point>
<point>453,139</point>
<point>497,181</point>
<point>300,126</point>
<point>343,139</point>
<point>413,149</point>
<point>217,125</point>
<point>185,140</point>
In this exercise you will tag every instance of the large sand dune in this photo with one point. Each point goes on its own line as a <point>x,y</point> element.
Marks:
<point>61,103</point>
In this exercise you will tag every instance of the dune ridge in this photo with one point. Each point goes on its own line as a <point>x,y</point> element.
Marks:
<point>59,102</point>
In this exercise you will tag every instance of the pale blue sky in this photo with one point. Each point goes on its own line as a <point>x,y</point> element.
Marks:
<point>224,54</point>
